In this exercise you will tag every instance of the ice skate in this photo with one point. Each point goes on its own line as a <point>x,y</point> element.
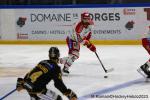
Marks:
<point>144,70</point>
<point>65,71</point>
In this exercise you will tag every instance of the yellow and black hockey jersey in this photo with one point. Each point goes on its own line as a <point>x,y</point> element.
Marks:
<point>42,74</point>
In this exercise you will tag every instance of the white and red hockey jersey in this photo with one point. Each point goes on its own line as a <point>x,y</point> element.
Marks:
<point>81,31</point>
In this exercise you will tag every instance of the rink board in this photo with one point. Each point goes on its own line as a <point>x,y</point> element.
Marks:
<point>97,42</point>
<point>113,24</point>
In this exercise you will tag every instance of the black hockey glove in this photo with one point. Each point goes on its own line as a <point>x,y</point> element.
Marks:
<point>71,95</point>
<point>19,85</point>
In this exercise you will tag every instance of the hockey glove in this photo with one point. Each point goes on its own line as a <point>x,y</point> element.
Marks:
<point>92,47</point>
<point>71,95</point>
<point>19,85</point>
<point>89,45</point>
<point>88,36</point>
<point>86,43</point>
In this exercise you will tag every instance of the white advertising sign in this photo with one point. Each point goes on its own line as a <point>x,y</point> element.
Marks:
<point>0,27</point>
<point>124,23</point>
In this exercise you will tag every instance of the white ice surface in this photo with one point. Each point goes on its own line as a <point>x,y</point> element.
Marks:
<point>86,74</point>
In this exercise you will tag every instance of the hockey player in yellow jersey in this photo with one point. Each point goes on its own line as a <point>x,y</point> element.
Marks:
<point>36,80</point>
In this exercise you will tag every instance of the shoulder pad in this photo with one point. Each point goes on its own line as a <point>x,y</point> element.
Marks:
<point>47,64</point>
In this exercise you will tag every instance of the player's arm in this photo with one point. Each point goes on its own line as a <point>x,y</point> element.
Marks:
<point>29,79</point>
<point>86,42</point>
<point>86,39</point>
<point>88,36</point>
<point>22,84</point>
<point>59,84</point>
<point>89,45</point>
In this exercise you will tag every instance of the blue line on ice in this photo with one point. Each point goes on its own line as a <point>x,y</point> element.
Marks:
<point>111,89</point>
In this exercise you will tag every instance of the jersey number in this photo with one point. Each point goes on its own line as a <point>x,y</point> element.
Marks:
<point>35,75</point>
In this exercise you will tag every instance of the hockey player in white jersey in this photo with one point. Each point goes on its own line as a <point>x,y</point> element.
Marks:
<point>81,34</point>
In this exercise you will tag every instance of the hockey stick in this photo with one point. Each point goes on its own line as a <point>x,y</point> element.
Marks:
<point>106,70</point>
<point>8,94</point>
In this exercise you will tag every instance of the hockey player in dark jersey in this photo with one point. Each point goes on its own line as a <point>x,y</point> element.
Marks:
<point>36,80</point>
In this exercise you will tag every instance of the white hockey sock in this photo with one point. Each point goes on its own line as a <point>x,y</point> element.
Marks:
<point>63,60</point>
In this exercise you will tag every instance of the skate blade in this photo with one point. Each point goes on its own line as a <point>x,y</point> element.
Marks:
<point>142,73</point>
<point>65,74</point>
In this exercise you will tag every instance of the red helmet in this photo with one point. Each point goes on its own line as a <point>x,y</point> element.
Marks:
<point>85,16</point>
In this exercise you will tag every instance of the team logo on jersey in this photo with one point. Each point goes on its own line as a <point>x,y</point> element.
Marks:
<point>21,21</point>
<point>129,25</point>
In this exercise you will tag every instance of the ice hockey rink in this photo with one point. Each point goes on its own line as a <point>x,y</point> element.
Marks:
<point>86,74</point>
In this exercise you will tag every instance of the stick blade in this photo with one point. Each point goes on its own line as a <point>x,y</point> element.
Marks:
<point>109,70</point>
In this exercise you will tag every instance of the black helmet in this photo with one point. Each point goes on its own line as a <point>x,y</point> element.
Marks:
<point>54,53</point>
